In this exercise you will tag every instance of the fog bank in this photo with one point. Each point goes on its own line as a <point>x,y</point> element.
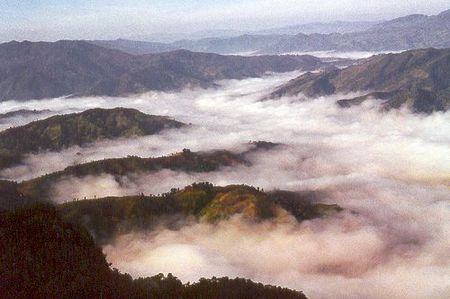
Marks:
<point>390,171</point>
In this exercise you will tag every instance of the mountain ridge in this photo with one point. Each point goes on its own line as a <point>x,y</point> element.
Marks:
<point>186,161</point>
<point>419,79</point>
<point>200,202</point>
<point>40,70</point>
<point>62,131</point>
<point>44,256</point>
<point>403,33</point>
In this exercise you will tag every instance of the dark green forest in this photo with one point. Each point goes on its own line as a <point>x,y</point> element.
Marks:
<point>52,251</point>
<point>187,161</point>
<point>38,189</point>
<point>44,256</point>
<point>108,217</point>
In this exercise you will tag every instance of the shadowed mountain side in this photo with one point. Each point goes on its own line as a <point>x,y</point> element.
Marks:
<point>11,197</point>
<point>418,78</point>
<point>186,161</point>
<point>107,217</point>
<point>178,69</point>
<point>45,257</point>
<point>62,131</point>
<point>418,100</point>
<point>36,70</point>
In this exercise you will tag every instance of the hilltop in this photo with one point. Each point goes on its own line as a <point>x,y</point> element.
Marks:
<point>81,129</point>
<point>109,216</point>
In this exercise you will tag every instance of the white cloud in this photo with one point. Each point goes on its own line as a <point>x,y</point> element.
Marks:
<point>392,169</point>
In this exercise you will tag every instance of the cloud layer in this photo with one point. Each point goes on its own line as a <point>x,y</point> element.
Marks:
<point>390,171</point>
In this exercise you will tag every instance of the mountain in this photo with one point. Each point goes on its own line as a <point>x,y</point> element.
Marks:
<point>409,32</point>
<point>186,161</point>
<point>133,47</point>
<point>44,256</point>
<point>78,68</point>
<point>419,79</point>
<point>322,28</point>
<point>62,131</point>
<point>107,217</point>
<point>227,42</point>
<point>170,37</point>
<point>255,205</point>
<point>259,44</point>
<point>179,69</point>
<point>246,44</point>
<point>35,70</point>
<point>166,38</point>
<point>11,197</point>
<point>22,113</point>
<point>253,44</point>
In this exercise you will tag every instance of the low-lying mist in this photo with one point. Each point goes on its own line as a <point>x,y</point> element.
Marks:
<point>190,106</point>
<point>342,54</point>
<point>390,171</point>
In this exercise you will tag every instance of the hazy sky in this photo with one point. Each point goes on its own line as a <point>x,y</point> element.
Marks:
<point>83,19</point>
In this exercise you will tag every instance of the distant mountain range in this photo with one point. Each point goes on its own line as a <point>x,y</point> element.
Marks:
<point>321,27</point>
<point>134,47</point>
<point>409,32</point>
<point>307,28</point>
<point>45,70</point>
<point>419,79</point>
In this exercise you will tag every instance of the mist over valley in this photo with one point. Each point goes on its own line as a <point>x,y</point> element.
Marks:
<point>313,165</point>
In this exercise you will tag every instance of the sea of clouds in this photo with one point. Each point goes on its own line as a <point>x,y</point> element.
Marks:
<point>390,171</point>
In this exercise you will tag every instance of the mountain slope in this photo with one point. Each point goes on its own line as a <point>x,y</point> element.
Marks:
<point>107,217</point>
<point>22,113</point>
<point>44,70</point>
<point>30,70</point>
<point>133,47</point>
<point>41,187</point>
<point>11,197</point>
<point>409,32</point>
<point>186,161</point>
<point>178,69</point>
<point>417,78</point>
<point>62,131</point>
<point>43,256</point>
